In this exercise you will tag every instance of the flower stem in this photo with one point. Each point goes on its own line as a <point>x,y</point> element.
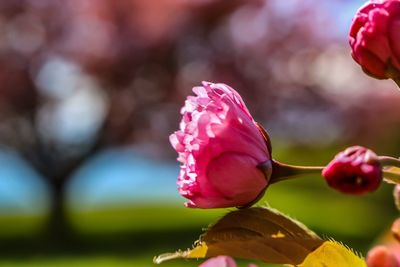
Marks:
<point>282,171</point>
<point>275,171</point>
<point>389,161</point>
<point>397,81</point>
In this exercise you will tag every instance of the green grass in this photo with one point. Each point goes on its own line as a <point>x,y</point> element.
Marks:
<point>152,229</point>
<point>20,225</point>
<point>308,200</point>
<point>159,228</point>
<point>142,218</point>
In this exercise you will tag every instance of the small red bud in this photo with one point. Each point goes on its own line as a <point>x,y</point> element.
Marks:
<point>354,171</point>
<point>381,256</point>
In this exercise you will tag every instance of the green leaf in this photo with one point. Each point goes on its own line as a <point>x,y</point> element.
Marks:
<point>256,234</point>
<point>333,254</point>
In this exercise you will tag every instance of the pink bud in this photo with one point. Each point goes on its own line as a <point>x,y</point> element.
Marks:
<point>354,171</point>
<point>375,38</point>
<point>381,256</point>
<point>219,146</point>
<point>222,261</point>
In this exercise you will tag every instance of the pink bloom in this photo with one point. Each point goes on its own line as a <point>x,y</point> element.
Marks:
<point>375,38</point>
<point>222,261</point>
<point>381,256</point>
<point>354,171</point>
<point>219,146</point>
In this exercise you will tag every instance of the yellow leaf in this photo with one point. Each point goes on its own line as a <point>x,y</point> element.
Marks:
<point>255,234</point>
<point>333,254</point>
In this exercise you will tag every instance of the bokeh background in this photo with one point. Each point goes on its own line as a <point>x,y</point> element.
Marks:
<point>91,89</point>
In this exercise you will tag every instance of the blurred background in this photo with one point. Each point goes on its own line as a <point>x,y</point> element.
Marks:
<point>91,90</point>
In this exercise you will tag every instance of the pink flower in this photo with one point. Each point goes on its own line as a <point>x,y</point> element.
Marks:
<point>381,256</point>
<point>386,254</point>
<point>219,145</point>
<point>222,261</point>
<point>375,38</point>
<point>354,171</point>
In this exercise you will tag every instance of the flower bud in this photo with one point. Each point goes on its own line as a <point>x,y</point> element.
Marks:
<point>222,261</point>
<point>375,38</point>
<point>381,256</point>
<point>354,171</point>
<point>220,146</point>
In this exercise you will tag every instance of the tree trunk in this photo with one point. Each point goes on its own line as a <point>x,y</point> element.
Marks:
<point>58,231</point>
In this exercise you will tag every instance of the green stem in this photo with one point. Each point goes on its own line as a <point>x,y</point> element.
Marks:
<point>389,161</point>
<point>275,171</point>
<point>282,171</point>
